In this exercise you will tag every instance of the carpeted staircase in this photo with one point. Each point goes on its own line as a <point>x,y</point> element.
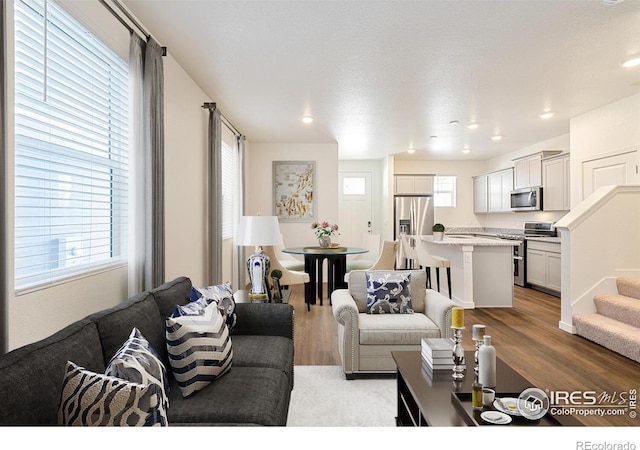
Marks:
<point>616,322</point>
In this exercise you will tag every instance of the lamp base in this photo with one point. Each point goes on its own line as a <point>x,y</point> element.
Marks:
<point>258,266</point>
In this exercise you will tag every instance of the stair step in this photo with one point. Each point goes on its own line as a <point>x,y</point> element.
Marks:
<point>629,286</point>
<point>617,336</point>
<point>619,307</point>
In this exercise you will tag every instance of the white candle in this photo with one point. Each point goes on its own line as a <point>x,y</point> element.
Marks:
<point>478,332</point>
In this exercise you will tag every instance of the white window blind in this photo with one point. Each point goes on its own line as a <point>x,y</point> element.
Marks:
<point>71,100</point>
<point>444,191</point>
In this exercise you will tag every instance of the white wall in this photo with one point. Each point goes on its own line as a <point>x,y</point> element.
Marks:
<point>603,131</point>
<point>259,184</point>
<point>40,313</point>
<point>186,156</point>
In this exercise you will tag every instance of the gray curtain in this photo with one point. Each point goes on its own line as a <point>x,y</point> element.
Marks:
<point>241,260</point>
<point>215,194</point>
<point>3,194</point>
<point>137,173</point>
<point>154,149</point>
<point>146,158</point>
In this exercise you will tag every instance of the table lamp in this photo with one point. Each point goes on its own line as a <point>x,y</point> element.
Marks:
<point>258,231</point>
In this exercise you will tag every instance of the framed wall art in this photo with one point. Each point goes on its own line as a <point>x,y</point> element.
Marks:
<point>294,191</point>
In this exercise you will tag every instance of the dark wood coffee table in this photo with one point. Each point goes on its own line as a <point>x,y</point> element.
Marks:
<point>433,398</point>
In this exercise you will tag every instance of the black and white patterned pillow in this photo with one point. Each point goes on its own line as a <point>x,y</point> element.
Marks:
<point>222,294</point>
<point>389,293</point>
<point>199,349</point>
<point>95,399</point>
<point>138,362</point>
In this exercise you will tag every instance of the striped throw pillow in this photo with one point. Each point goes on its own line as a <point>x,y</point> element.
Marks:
<point>138,362</point>
<point>95,399</point>
<point>199,349</point>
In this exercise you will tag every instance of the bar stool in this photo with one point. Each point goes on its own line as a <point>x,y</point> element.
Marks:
<point>408,251</point>
<point>427,260</point>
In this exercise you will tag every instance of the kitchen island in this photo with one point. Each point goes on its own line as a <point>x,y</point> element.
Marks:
<point>481,269</point>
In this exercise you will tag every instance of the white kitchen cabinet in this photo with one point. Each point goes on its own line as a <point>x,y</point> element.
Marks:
<point>555,183</point>
<point>413,184</point>
<point>528,170</point>
<point>543,266</point>
<point>480,194</point>
<point>500,185</point>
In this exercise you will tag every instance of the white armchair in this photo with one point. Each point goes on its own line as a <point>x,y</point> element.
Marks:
<point>367,340</point>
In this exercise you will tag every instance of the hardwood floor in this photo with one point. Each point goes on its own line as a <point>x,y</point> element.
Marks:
<point>526,337</point>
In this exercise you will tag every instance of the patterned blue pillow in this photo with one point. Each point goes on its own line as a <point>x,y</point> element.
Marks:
<point>222,294</point>
<point>389,293</point>
<point>138,362</point>
<point>193,308</point>
<point>95,399</point>
<point>199,349</point>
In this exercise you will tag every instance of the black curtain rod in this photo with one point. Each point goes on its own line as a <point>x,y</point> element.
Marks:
<point>212,106</point>
<point>130,17</point>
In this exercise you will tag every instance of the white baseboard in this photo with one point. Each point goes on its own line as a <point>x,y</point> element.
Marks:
<point>569,328</point>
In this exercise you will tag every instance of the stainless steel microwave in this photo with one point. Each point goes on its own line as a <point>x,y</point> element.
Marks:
<point>527,199</point>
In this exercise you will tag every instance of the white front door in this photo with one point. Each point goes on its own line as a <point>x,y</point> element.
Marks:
<point>617,169</point>
<point>355,208</point>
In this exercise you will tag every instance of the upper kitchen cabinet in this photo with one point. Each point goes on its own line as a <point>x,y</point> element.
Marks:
<point>413,184</point>
<point>481,194</point>
<point>500,185</point>
<point>492,192</point>
<point>528,169</point>
<point>555,183</point>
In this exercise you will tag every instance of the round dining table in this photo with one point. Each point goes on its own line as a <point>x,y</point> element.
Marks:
<point>313,262</point>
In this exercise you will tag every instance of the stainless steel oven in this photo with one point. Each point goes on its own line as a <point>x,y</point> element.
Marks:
<point>519,257</point>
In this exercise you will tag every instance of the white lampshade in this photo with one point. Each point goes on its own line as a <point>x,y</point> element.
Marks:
<point>258,230</point>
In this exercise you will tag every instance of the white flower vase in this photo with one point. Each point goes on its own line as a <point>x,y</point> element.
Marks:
<point>324,241</point>
<point>438,235</point>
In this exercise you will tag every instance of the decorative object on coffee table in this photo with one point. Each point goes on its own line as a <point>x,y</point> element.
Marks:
<point>258,231</point>
<point>478,337</point>
<point>457,324</point>
<point>487,363</point>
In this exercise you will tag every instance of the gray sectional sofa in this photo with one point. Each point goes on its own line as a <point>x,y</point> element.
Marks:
<point>256,391</point>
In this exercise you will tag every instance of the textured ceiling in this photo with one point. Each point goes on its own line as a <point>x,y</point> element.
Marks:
<point>380,77</point>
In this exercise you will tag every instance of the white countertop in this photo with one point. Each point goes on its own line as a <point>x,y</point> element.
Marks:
<point>461,239</point>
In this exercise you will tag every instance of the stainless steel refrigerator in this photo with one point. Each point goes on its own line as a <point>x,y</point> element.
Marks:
<point>413,215</point>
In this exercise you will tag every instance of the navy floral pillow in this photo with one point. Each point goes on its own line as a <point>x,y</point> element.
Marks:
<point>389,293</point>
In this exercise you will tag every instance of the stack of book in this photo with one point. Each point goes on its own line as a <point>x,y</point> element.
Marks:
<point>437,353</point>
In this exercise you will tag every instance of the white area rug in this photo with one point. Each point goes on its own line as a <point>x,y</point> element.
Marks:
<point>323,397</point>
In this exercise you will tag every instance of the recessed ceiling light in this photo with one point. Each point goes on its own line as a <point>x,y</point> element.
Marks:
<point>411,150</point>
<point>473,125</point>
<point>433,137</point>
<point>454,122</point>
<point>307,119</point>
<point>497,137</point>
<point>631,62</point>
<point>466,150</point>
<point>547,115</point>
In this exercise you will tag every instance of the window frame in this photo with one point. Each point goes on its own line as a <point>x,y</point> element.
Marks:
<point>452,193</point>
